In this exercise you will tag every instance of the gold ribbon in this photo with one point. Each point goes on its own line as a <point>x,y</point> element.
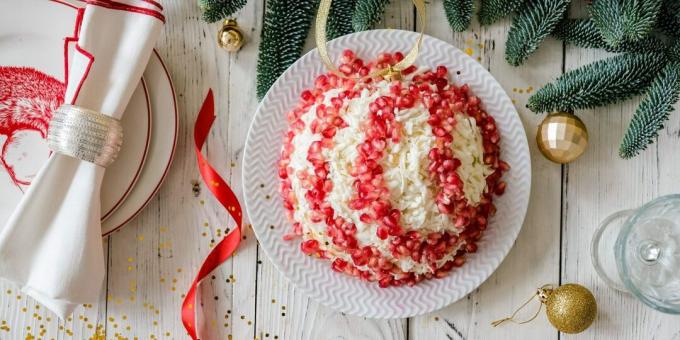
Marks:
<point>394,70</point>
<point>542,294</point>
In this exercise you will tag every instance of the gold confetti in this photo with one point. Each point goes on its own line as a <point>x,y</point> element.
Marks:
<point>469,51</point>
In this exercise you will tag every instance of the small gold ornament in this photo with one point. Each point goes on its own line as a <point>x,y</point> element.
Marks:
<point>562,137</point>
<point>230,37</point>
<point>571,308</point>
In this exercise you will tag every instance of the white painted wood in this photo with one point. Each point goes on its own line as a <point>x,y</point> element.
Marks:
<point>601,183</point>
<point>152,261</point>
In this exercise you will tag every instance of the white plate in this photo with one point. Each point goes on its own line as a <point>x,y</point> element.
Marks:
<point>315,277</point>
<point>27,45</point>
<point>161,149</point>
<point>159,101</point>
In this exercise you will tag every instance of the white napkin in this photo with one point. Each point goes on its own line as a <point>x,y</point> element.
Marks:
<point>52,244</point>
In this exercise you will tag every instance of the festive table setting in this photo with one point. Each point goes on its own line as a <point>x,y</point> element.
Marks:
<point>348,169</point>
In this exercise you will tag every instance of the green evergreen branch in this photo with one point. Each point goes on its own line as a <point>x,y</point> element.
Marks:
<point>600,83</point>
<point>652,112</point>
<point>340,18</point>
<point>584,33</point>
<point>458,14</point>
<point>285,29</point>
<point>669,19</point>
<point>674,51</point>
<point>531,26</point>
<point>214,10</point>
<point>493,10</point>
<point>368,13</point>
<point>625,20</point>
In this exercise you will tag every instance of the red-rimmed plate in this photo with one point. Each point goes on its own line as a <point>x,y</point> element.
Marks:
<point>147,152</point>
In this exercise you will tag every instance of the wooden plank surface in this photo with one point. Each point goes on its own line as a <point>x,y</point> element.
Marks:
<point>152,261</point>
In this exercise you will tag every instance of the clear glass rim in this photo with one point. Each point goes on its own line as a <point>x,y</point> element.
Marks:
<point>620,247</point>
<point>595,248</point>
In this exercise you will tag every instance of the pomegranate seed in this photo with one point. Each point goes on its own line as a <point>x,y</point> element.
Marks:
<point>500,188</point>
<point>309,247</point>
<point>442,71</point>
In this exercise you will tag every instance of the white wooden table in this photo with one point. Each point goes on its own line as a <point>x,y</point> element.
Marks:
<point>152,261</point>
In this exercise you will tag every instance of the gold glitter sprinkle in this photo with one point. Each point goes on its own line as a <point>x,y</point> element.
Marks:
<point>469,51</point>
<point>130,260</point>
<point>140,237</point>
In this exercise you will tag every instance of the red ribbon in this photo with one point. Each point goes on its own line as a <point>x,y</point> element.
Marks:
<point>226,197</point>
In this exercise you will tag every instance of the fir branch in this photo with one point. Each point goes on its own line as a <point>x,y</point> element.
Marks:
<point>458,14</point>
<point>340,18</point>
<point>625,20</point>
<point>368,13</point>
<point>652,112</point>
<point>669,19</point>
<point>530,28</point>
<point>214,10</point>
<point>285,29</point>
<point>493,10</point>
<point>673,51</point>
<point>584,33</point>
<point>600,83</point>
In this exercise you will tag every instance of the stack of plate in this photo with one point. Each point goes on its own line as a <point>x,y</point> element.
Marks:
<point>32,73</point>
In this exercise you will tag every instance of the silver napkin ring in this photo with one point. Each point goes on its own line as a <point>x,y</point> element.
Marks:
<point>85,134</point>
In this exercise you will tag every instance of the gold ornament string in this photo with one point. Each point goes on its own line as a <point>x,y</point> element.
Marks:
<point>392,71</point>
<point>541,293</point>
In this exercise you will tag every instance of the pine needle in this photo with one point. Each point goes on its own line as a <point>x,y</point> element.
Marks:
<point>600,83</point>
<point>652,112</point>
<point>625,20</point>
<point>531,26</point>
<point>285,29</point>
<point>458,14</point>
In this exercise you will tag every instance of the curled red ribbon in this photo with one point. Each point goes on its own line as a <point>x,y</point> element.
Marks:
<point>221,190</point>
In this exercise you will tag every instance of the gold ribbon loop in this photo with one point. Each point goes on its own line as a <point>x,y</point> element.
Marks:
<point>409,59</point>
<point>542,294</point>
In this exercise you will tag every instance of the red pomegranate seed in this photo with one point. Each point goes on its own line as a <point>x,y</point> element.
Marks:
<point>309,247</point>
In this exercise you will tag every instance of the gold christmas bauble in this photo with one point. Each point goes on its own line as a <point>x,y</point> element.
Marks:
<point>230,37</point>
<point>562,137</point>
<point>571,308</point>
